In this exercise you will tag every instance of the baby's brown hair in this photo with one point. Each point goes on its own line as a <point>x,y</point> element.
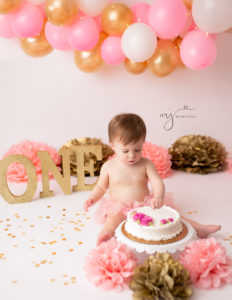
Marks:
<point>127,128</point>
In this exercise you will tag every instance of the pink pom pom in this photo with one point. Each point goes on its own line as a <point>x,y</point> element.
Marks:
<point>160,157</point>
<point>229,161</point>
<point>207,263</point>
<point>110,265</point>
<point>16,171</point>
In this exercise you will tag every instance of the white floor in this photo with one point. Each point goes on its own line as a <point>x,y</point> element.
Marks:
<point>43,243</point>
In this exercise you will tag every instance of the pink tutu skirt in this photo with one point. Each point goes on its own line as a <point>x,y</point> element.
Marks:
<point>108,206</point>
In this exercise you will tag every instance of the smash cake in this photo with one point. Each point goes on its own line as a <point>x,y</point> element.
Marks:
<point>154,226</point>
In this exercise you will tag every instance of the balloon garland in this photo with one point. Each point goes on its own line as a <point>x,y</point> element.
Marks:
<point>160,36</point>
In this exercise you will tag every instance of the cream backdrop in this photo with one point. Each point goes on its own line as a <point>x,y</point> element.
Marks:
<point>49,100</point>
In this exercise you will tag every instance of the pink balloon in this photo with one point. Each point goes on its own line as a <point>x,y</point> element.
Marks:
<point>57,36</point>
<point>42,8</point>
<point>111,51</point>
<point>140,11</point>
<point>198,50</point>
<point>167,18</point>
<point>83,35</point>
<point>98,21</point>
<point>5,27</point>
<point>27,21</point>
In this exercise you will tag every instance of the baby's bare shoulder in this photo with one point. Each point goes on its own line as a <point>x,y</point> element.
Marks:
<point>108,164</point>
<point>146,161</point>
<point>149,163</point>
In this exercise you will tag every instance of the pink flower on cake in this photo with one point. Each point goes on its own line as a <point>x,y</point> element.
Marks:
<point>16,171</point>
<point>207,263</point>
<point>142,219</point>
<point>110,265</point>
<point>160,157</point>
<point>229,161</point>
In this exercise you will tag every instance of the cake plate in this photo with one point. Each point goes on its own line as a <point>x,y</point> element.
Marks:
<point>150,249</point>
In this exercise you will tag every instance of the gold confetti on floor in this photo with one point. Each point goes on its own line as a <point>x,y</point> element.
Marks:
<point>43,261</point>
<point>14,281</point>
<point>29,224</point>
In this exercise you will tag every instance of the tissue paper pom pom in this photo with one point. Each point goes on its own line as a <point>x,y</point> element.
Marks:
<point>198,154</point>
<point>16,171</point>
<point>161,277</point>
<point>208,264</point>
<point>110,265</point>
<point>229,161</point>
<point>160,157</point>
<point>107,151</point>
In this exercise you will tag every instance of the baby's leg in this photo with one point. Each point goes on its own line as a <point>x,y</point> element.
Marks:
<point>202,230</point>
<point>112,222</point>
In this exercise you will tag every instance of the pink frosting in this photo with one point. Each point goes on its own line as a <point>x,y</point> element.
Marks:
<point>143,219</point>
<point>208,264</point>
<point>111,265</point>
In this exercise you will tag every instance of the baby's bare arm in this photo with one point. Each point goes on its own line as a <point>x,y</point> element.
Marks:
<point>100,188</point>
<point>157,184</point>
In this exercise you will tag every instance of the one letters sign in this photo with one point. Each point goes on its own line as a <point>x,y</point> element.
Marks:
<point>47,164</point>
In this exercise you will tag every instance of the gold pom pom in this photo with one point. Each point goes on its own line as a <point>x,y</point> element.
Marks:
<point>160,278</point>
<point>106,152</point>
<point>198,154</point>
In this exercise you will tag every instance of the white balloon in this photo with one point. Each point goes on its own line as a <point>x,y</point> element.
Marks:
<point>37,2</point>
<point>92,8</point>
<point>212,16</point>
<point>138,42</point>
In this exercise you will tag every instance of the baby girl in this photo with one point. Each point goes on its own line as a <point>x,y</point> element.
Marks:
<point>126,176</point>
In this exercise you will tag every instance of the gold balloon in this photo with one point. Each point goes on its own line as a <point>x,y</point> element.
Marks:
<point>188,3</point>
<point>135,67</point>
<point>116,18</point>
<point>178,42</point>
<point>61,12</point>
<point>90,61</point>
<point>165,59</point>
<point>7,6</point>
<point>36,46</point>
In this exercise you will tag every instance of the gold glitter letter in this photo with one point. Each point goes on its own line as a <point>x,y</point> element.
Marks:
<point>47,165</point>
<point>31,175</point>
<point>82,167</point>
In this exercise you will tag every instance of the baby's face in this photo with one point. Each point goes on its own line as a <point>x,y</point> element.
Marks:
<point>129,154</point>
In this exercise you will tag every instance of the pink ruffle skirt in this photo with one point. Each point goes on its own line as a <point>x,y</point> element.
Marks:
<point>108,206</point>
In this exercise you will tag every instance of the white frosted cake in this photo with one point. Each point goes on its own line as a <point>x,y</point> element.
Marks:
<point>153,225</point>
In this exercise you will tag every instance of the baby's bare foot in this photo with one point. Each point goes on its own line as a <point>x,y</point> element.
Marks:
<point>104,236</point>
<point>204,230</point>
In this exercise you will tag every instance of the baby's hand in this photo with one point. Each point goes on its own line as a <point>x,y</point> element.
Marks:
<point>89,202</point>
<point>157,202</point>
